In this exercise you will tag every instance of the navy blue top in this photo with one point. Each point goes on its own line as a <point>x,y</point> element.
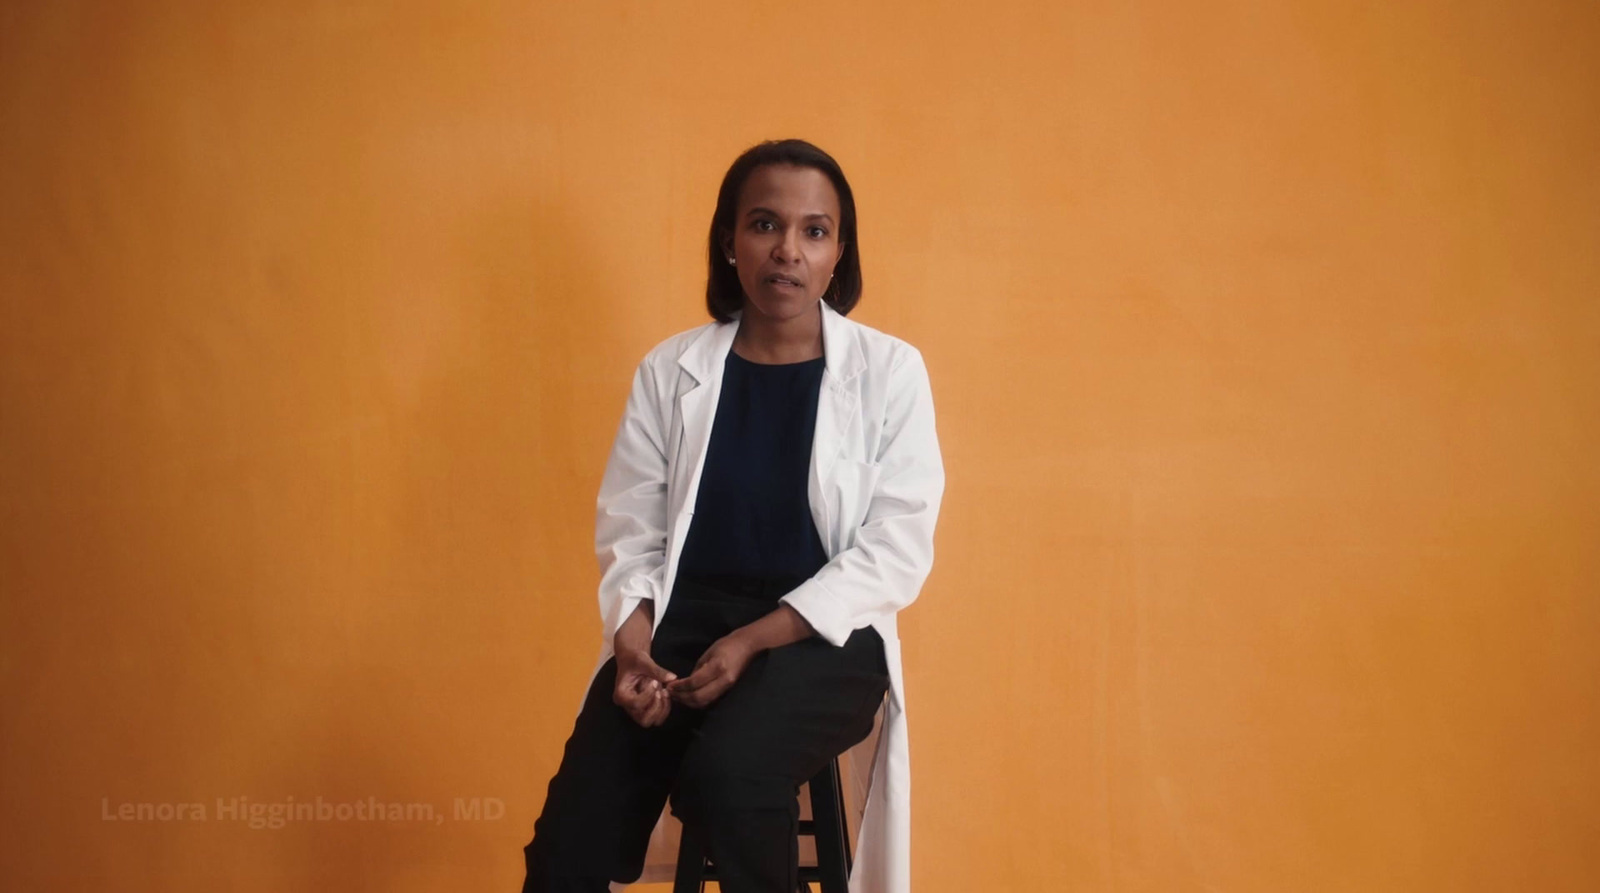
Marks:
<point>752,517</point>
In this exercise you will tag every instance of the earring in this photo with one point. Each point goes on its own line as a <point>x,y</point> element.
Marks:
<point>730,260</point>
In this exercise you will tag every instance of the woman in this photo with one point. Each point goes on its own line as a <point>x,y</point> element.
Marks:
<point>768,507</point>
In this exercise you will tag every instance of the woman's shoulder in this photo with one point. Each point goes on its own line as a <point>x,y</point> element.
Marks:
<point>886,361</point>
<point>878,345</point>
<point>669,350</point>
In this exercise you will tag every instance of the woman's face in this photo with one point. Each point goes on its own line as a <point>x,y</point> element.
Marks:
<point>785,239</point>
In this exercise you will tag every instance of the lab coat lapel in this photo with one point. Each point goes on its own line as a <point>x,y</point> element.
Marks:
<point>697,407</point>
<point>836,410</point>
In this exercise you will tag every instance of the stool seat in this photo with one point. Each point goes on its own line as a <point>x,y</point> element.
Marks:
<point>826,827</point>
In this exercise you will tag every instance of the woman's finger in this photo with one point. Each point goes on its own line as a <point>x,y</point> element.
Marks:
<point>652,670</point>
<point>703,688</point>
<point>701,675</point>
<point>638,709</point>
<point>707,694</point>
<point>647,668</point>
<point>631,695</point>
<point>660,704</point>
<point>657,713</point>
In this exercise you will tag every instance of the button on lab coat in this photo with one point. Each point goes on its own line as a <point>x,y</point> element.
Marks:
<point>875,484</point>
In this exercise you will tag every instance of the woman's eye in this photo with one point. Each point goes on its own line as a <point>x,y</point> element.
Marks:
<point>818,232</point>
<point>762,223</point>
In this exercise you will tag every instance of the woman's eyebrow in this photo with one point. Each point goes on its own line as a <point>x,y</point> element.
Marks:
<point>812,216</point>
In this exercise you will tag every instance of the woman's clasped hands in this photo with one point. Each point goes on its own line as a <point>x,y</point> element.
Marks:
<point>646,691</point>
<point>715,672</point>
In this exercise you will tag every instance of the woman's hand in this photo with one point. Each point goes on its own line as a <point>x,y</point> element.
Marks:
<point>716,671</point>
<point>641,683</point>
<point>641,689</point>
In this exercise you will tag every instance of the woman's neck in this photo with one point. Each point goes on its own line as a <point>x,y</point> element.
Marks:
<point>761,339</point>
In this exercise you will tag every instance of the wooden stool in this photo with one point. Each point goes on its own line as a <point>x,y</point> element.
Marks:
<point>827,829</point>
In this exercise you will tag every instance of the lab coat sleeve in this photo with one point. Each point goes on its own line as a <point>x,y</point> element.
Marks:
<point>630,533</point>
<point>883,570</point>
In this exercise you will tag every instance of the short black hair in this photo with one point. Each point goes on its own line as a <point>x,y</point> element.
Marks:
<point>724,294</point>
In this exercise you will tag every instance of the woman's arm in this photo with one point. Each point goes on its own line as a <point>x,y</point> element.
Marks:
<point>776,629</point>
<point>883,570</point>
<point>641,684</point>
<point>634,633</point>
<point>631,511</point>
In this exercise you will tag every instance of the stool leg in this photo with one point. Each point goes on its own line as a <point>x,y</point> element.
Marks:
<point>690,874</point>
<point>828,826</point>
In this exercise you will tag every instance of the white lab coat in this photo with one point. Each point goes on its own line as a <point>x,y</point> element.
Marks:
<point>875,485</point>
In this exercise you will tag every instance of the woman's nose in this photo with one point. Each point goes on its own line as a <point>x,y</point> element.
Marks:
<point>787,248</point>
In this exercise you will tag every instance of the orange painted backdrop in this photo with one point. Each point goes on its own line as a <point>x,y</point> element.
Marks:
<point>1265,340</point>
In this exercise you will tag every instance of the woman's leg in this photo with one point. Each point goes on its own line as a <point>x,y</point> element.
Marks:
<point>605,798</point>
<point>615,774</point>
<point>793,709</point>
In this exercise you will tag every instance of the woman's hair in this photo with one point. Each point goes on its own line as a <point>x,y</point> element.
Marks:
<point>724,294</point>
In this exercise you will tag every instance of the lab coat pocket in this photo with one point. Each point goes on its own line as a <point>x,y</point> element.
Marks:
<point>854,484</point>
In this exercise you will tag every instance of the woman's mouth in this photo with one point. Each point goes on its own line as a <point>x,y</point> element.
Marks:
<point>783,282</point>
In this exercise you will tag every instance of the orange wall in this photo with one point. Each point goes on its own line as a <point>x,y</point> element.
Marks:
<point>1265,340</point>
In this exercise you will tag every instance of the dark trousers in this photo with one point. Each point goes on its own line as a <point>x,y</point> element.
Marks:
<point>734,768</point>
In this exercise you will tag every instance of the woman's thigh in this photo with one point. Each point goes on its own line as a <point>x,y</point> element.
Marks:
<point>793,709</point>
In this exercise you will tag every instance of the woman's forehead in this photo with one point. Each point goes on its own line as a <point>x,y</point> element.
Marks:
<point>789,189</point>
